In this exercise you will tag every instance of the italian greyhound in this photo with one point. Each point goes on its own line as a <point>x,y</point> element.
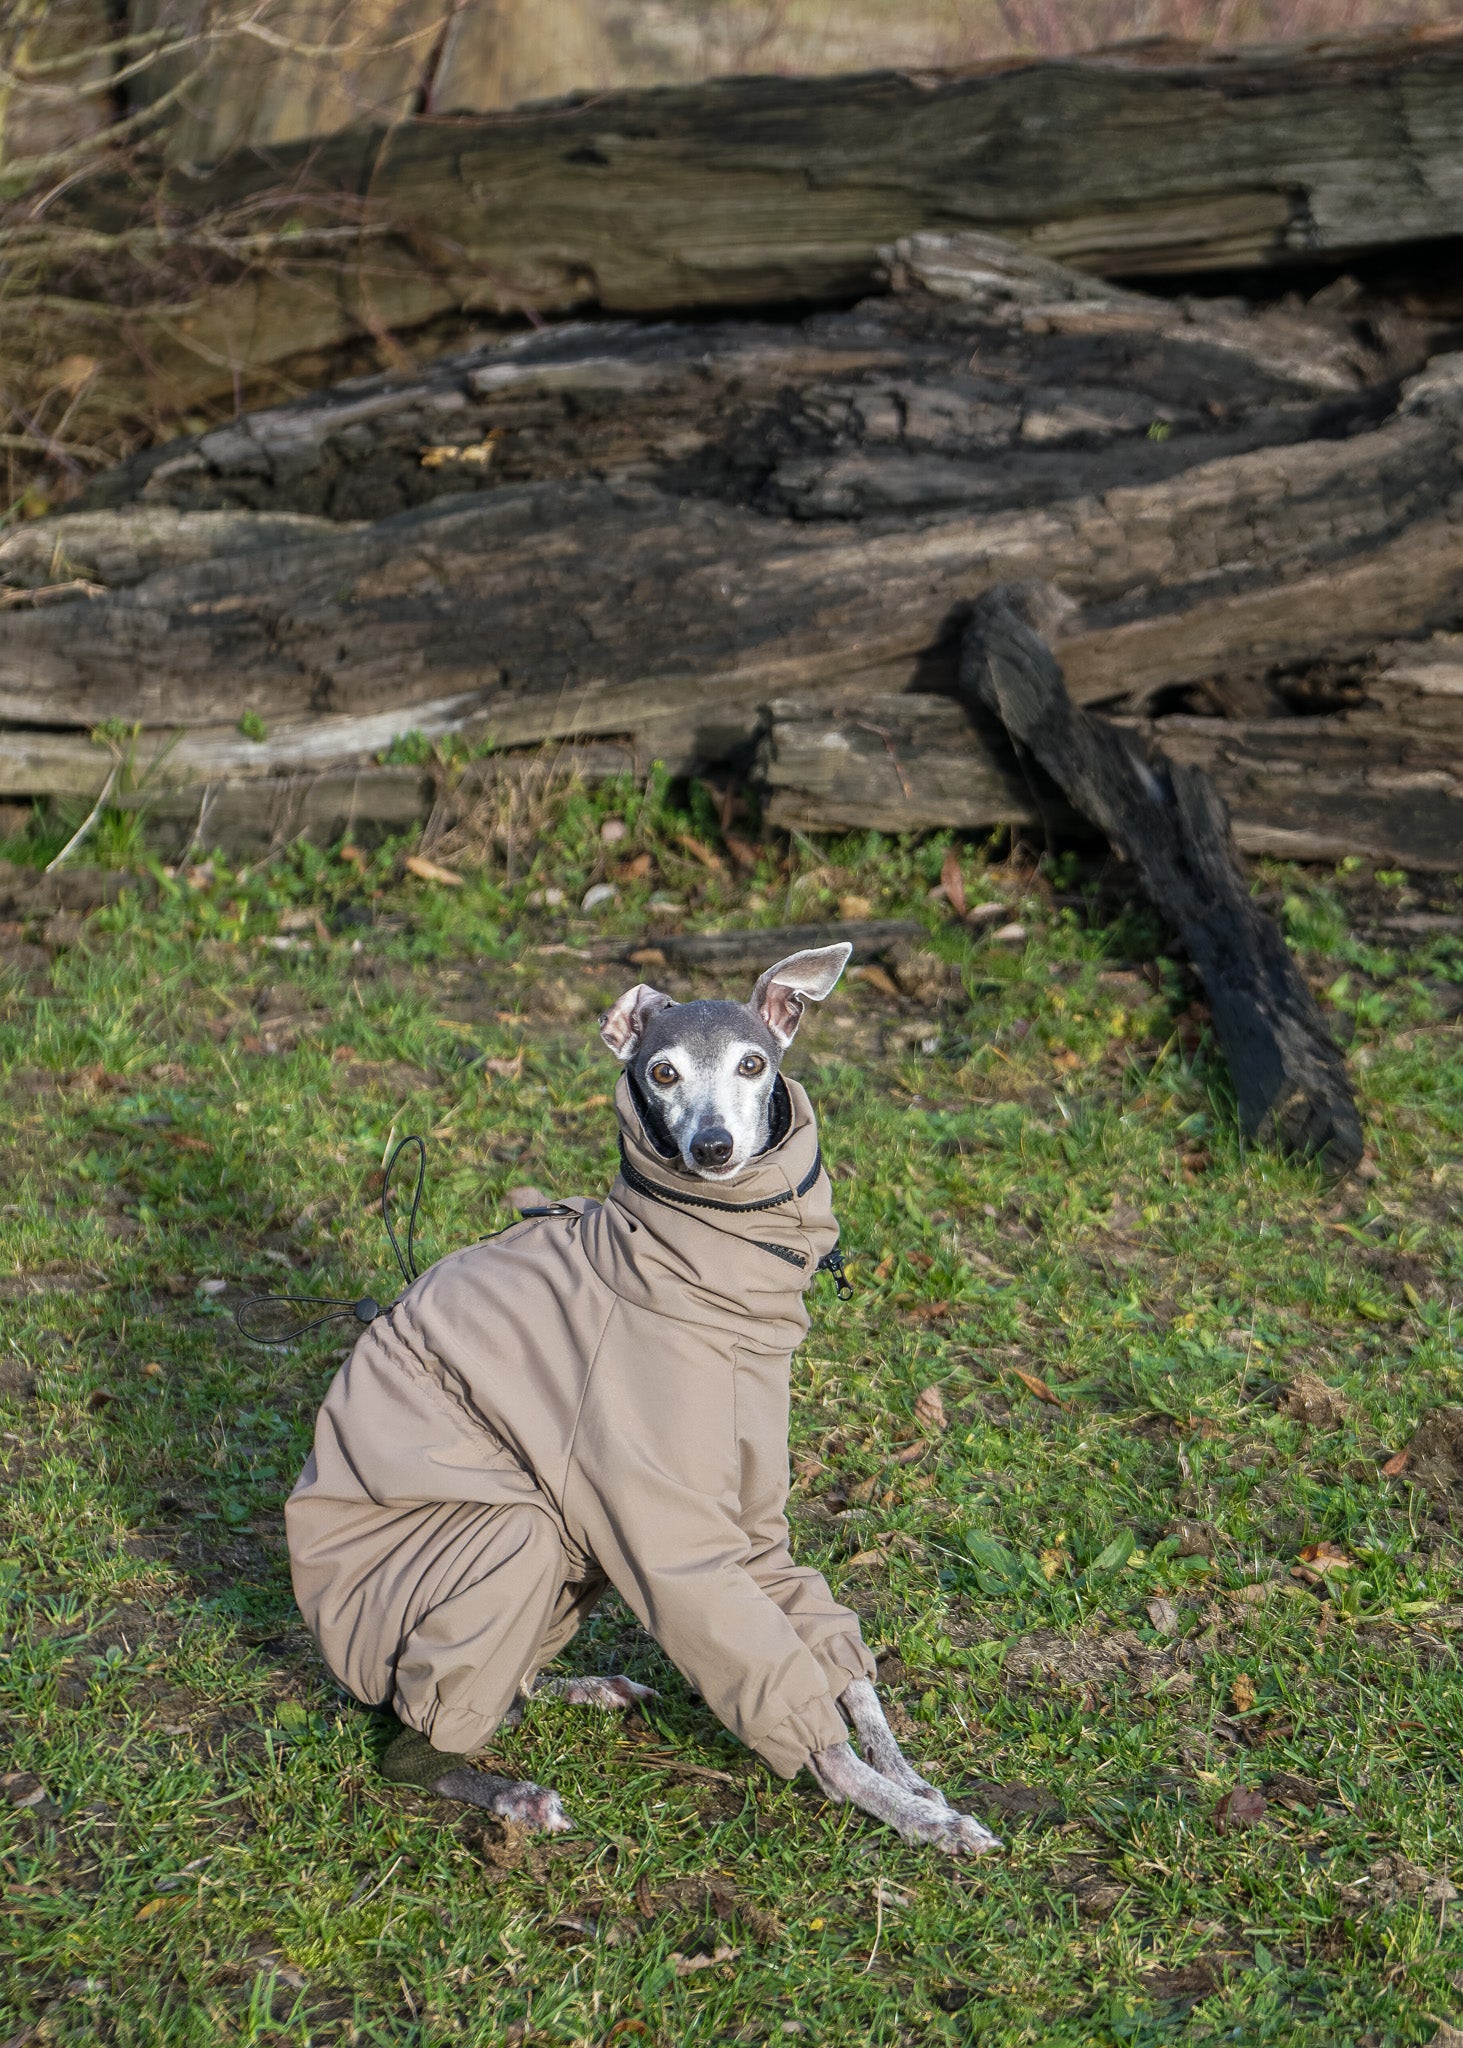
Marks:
<point>705,1077</point>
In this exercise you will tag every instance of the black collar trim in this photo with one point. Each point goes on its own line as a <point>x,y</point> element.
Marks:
<point>635,1179</point>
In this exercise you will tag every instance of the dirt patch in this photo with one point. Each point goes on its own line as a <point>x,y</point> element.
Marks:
<point>1395,1881</point>
<point>1311,1401</point>
<point>1187,1983</point>
<point>1013,1803</point>
<point>1097,1893</point>
<point>1092,1662</point>
<point>1435,1456</point>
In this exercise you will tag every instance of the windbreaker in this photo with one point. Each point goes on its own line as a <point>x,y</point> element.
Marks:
<point>623,1368</point>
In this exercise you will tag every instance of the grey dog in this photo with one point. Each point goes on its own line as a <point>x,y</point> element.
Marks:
<point>598,1397</point>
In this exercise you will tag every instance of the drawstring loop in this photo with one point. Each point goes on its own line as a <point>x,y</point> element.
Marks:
<point>367,1308</point>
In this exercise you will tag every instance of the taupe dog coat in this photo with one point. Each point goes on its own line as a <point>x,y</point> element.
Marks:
<point>598,1395</point>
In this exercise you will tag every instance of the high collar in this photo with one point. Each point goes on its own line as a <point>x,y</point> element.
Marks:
<point>738,1250</point>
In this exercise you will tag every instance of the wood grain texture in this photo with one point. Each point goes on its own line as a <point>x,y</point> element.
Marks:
<point>1167,817</point>
<point>646,534</point>
<point>1371,781</point>
<point>758,191</point>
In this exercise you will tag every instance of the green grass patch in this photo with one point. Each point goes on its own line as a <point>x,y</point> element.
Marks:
<point>1115,1582</point>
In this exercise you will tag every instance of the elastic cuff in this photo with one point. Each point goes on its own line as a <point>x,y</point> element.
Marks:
<point>813,1727</point>
<point>845,1659</point>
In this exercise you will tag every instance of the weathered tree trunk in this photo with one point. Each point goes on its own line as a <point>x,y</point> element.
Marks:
<point>1167,818</point>
<point>1383,779</point>
<point>748,192</point>
<point>646,534</point>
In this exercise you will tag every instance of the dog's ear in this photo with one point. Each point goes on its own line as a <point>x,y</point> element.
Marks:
<point>623,1024</point>
<point>782,991</point>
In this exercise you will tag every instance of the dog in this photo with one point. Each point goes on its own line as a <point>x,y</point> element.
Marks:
<point>599,1396</point>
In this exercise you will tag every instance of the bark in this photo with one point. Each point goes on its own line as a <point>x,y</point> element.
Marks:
<point>871,938</point>
<point>1383,779</point>
<point>749,192</point>
<point>645,535</point>
<point>1166,817</point>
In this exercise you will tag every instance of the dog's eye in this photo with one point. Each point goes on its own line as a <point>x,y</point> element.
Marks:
<point>752,1065</point>
<point>664,1074</point>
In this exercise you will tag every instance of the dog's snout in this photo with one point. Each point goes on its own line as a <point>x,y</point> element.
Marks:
<point>712,1147</point>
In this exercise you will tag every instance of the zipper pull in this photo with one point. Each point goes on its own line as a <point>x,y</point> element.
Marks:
<point>832,1262</point>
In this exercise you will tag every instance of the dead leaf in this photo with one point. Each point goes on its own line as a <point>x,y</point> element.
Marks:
<point>698,850</point>
<point>644,1897</point>
<point>1067,1062</point>
<point>1326,1557</point>
<point>742,851</point>
<point>1035,1384</point>
<point>354,855</point>
<point>633,870</point>
<point>952,881</point>
<point>72,372</point>
<point>428,871</point>
<point>1252,1595</point>
<point>1164,1616</point>
<point>647,956</point>
<point>1312,1402</point>
<point>155,1906</point>
<point>986,913</point>
<point>1052,1561</point>
<point>876,977</point>
<point>1242,1693</point>
<point>1241,1808</point>
<point>508,1070</point>
<point>850,907</point>
<point>684,1966</point>
<point>929,1409</point>
<point>1396,1464</point>
<point>476,454</point>
<point>910,1454</point>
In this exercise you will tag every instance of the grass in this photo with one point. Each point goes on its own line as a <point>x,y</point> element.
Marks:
<point>1041,1183</point>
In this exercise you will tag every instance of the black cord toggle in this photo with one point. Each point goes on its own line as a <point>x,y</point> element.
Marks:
<point>832,1262</point>
<point>336,1308</point>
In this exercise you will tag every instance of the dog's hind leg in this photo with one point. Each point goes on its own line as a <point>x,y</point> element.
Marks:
<point>609,1695</point>
<point>860,1703</point>
<point>411,1760</point>
<point>914,1815</point>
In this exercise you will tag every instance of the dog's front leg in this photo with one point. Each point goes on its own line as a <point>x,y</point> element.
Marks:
<point>861,1704</point>
<point>915,1815</point>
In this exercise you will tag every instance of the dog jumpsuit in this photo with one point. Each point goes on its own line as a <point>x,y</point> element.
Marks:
<point>596,1395</point>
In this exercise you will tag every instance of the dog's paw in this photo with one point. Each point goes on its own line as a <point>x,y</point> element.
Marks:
<point>530,1805</point>
<point>954,1834</point>
<point>609,1695</point>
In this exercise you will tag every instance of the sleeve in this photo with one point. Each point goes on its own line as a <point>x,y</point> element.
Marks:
<point>829,1630</point>
<point>653,1493</point>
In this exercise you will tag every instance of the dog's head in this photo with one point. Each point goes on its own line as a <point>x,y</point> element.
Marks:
<point>704,1074</point>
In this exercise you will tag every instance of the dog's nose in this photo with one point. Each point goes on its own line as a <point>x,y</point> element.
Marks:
<point>712,1147</point>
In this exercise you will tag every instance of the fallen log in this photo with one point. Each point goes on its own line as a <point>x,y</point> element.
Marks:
<point>693,523</point>
<point>1147,160</point>
<point>1166,816</point>
<point>1382,779</point>
<point>870,937</point>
